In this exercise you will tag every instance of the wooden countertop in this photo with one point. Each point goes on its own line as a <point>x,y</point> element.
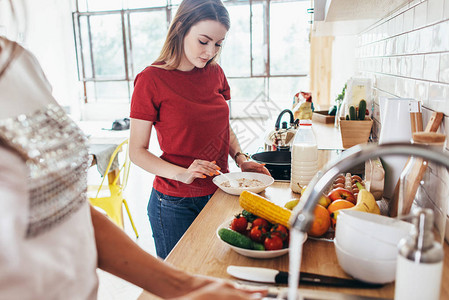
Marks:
<point>327,136</point>
<point>201,252</point>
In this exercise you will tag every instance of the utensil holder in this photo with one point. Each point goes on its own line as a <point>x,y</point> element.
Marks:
<point>423,184</point>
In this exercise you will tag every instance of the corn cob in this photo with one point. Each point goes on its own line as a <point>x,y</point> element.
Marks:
<point>264,208</point>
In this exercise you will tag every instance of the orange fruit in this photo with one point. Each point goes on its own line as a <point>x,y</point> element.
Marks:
<point>339,204</point>
<point>336,205</point>
<point>321,222</point>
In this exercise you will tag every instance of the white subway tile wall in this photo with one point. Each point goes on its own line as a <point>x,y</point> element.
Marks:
<point>406,54</point>
<point>446,10</point>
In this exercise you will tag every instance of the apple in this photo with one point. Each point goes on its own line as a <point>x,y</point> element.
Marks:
<point>324,201</point>
<point>342,193</point>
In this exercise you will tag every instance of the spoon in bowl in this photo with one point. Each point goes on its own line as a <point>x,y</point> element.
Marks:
<point>233,183</point>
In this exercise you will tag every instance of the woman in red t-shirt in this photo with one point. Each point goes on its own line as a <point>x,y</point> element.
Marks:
<point>183,95</point>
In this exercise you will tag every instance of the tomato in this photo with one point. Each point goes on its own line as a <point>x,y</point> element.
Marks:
<point>273,243</point>
<point>261,222</point>
<point>257,234</point>
<point>280,231</point>
<point>239,224</point>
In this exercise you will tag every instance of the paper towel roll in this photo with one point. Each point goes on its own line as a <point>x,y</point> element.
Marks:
<point>396,127</point>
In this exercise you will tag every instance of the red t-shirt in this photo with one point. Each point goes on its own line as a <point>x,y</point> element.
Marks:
<point>191,118</point>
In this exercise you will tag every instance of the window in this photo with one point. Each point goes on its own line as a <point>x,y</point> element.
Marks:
<point>266,51</point>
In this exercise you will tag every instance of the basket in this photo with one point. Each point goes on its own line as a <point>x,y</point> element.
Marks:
<point>354,132</point>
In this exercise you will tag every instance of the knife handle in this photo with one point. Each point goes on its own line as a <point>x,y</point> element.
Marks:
<point>281,277</point>
<point>309,278</point>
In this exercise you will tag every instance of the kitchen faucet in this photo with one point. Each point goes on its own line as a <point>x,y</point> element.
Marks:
<point>302,217</point>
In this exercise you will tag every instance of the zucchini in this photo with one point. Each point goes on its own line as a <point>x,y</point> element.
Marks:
<point>239,240</point>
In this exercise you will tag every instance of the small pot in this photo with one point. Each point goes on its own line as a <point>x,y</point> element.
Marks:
<point>277,162</point>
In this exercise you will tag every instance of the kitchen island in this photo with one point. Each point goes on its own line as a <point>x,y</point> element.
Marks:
<point>201,252</point>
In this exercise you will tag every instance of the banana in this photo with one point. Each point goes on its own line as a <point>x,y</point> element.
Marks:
<point>365,202</point>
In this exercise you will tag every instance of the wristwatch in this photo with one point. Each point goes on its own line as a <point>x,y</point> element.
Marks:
<point>240,153</point>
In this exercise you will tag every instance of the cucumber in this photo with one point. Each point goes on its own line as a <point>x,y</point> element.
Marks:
<point>257,246</point>
<point>234,238</point>
<point>239,240</point>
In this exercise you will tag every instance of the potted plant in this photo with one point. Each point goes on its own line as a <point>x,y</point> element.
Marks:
<point>355,128</point>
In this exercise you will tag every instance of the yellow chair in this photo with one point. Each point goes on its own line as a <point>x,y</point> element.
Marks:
<point>112,204</point>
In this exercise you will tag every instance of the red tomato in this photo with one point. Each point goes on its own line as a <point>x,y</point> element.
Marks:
<point>257,234</point>
<point>273,243</point>
<point>280,231</point>
<point>239,224</point>
<point>261,222</point>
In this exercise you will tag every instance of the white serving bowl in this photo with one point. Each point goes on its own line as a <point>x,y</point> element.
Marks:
<point>358,241</point>
<point>253,253</point>
<point>376,228</point>
<point>366,269</point>
<point>265,179</point>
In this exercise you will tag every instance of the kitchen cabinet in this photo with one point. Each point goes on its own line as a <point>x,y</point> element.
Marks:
<point>347,17</point>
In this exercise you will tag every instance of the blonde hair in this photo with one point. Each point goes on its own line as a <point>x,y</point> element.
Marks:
<point>189,13</point>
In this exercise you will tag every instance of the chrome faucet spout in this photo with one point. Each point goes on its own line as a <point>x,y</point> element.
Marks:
<point>302,217</point>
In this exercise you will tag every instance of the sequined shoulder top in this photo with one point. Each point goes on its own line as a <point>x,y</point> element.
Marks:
<point>56,155</point>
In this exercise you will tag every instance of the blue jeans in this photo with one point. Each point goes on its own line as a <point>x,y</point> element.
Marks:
<point>170,217</point>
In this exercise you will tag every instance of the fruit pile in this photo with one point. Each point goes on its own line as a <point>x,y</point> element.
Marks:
<point>347,192</point>
<point>252,232</point>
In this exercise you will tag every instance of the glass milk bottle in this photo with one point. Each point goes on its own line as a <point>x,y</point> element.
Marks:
<point>304,152</point>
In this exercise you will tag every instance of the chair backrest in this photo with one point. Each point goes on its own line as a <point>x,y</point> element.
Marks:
<point>123,169</point>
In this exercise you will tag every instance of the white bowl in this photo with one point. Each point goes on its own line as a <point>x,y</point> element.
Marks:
<point>368,270</point>
<point>254,253</point>
<point>357,241</point>
<point>265,179</point>
<point>378,227</point>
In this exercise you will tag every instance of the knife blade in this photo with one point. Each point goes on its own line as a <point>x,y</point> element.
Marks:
<point>266,275</point>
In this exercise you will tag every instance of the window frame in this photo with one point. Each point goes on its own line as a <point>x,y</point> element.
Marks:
<point>126,39</point>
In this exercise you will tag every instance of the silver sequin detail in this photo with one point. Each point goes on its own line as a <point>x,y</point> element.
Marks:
<point>57,158</point>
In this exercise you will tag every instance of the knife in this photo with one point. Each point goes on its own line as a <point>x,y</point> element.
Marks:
<point>274,276</point>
